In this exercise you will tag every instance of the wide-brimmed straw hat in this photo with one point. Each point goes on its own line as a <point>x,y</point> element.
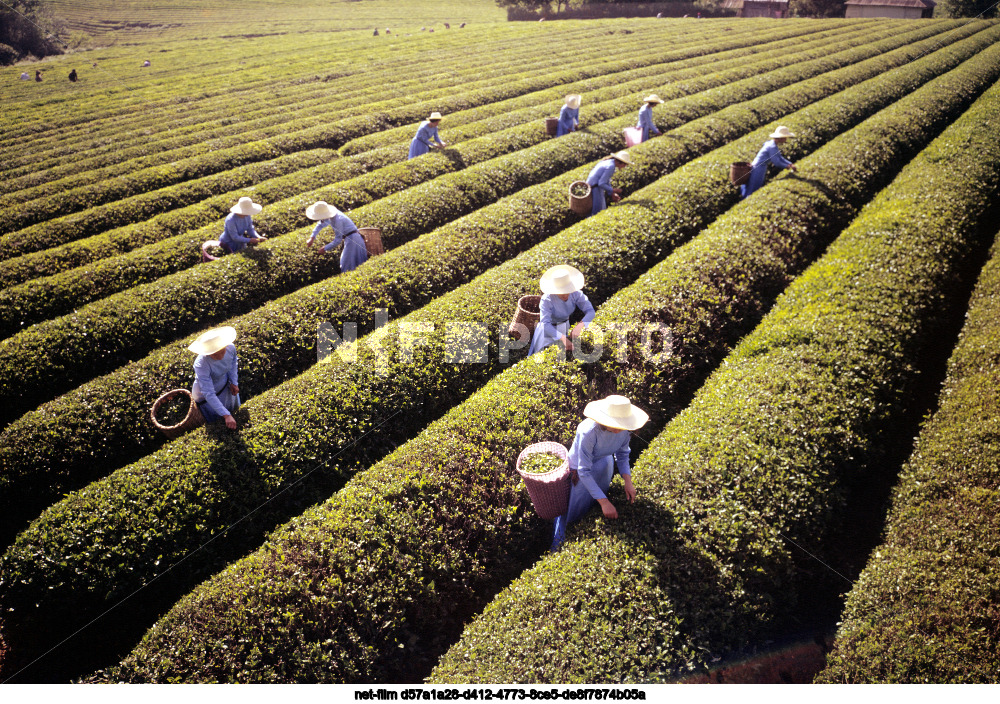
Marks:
<point>782,132</point>
<point>616,412</point>
<point>652,98</point>
<point>623,157</point>
<point>214,340</point>
<point>320,210</point>
<point>246,206</point>
<point>573,100</point>
<point>561,278</point>
<point>435,116</point>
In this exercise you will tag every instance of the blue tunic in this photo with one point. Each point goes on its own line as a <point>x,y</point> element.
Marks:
<point>553,317</point>
<point>421,143</point>
<point>768,154</point>
<point>212,378</point>
<point>355,252</point>
<point>594,454</point>
<point>568,119</point>
<point>237,232</point>
<point>646,121</point>
<point>600,184</point>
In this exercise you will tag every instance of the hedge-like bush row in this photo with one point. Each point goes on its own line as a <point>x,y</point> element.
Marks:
<point>89,342</point>
<point>925,608</point>
<point>426,535</point>
<point>736,53</point>
<point>445,99</point>
<point>348,92</point>
<point>199,74</point>
<point>212,121</point>
<point>296,134</point>
<point>291,79</point>
<point>93,434</point>
<point>310,426</point>
<point>49,297</point>
<point>752,494</point>
<point>51,261</point>
<point>179,224</point>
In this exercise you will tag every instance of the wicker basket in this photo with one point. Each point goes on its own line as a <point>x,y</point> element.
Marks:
<point>739,172</point>
<point>373,240</point>
<point>207,256</point>
<point>192,420</point>
<point>549,492</point>
<point>552,125</point>
<point>582,205</point>
<point>527,315</point>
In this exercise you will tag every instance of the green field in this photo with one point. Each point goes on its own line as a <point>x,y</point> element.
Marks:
<point>365,523</point>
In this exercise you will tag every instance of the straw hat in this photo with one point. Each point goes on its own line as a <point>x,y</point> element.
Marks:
<point>434,116</point>
<point>652,98</point>
<point>320,210</point>
<point>214,340</point>
<point>782,132</point>
<point>623,157</point>
<point>616,412</point>
<point>245,206</point>
<point>561,278</point>
<point>573,100</point>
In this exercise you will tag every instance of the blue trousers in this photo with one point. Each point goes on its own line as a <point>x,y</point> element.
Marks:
<point>580,500</point>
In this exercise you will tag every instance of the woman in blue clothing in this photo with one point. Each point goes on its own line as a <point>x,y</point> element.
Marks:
<point>646,116</point>
<point>569,115</point>
<point>238,232</point>
<point>427,136</point>
<point>561,296</point>
<point>355,251</point>
<point>768,154</point>
<point>599,180</point>
<point>601,444</point>
<point>216,388</point>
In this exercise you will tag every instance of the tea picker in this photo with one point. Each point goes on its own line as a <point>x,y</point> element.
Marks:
<point>770,153</point>
<point>238,232</point>
<point>601,444</point>
<point>355,251</point>
<point>561,297</point>
<point>646,116</point>
<point>216,389</point>
<point>569,115</point>
<point>427,136</point>
<point>599,180</point>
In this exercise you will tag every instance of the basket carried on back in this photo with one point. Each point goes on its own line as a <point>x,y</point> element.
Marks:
<point>192,420</point>
<point>552,125</point>
<point>581,204</point>
<point>527,315</point>
<point>549,492</point>
<point>632,136</point>
<point>373,240</point>
<point>739,172</point>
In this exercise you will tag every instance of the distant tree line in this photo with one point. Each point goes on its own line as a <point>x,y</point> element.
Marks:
<point>586,9</point>
<point>526,9</point>
<point>25,31</point>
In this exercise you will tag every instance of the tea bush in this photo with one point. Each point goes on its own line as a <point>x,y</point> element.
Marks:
<point>415,389</point>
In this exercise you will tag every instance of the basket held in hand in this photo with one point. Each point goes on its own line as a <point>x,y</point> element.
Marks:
<point>192,420</point>
<point>549,492</point>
